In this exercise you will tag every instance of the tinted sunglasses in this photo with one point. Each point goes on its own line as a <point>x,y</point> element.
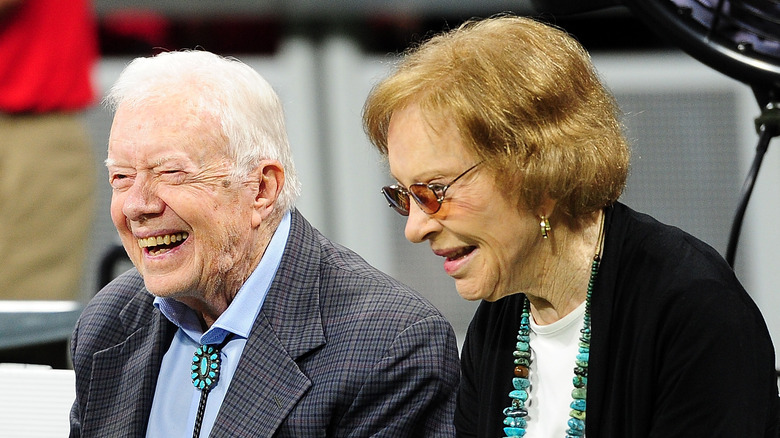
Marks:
<point>428,196</point>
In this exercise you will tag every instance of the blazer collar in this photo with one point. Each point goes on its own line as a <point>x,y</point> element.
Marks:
<point>268,382</point>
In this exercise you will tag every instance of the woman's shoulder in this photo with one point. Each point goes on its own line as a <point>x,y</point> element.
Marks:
<point>644,240</point>
<point>669,266</point>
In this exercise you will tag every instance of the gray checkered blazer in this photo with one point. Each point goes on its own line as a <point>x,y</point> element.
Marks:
<point>339,349</point>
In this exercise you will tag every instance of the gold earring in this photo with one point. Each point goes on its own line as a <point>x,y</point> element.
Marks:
<point>545,227</point>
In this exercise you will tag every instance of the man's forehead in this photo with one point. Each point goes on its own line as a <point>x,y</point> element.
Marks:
<point>152,134</point>
<point>147,158</point>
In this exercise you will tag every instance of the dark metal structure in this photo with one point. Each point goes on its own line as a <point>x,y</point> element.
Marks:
<point>739,38</point>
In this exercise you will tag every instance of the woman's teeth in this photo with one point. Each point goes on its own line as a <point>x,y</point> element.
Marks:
<point>460,253</point>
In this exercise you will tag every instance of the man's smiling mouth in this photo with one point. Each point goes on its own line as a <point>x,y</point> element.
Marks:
<point>158,244</point>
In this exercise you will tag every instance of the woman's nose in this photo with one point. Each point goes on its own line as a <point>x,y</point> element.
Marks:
<point>419,225</point>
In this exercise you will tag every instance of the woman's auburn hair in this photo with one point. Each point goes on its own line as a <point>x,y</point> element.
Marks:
<point>525,97</point>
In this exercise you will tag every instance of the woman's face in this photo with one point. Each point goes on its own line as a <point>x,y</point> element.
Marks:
<point>488,243</point>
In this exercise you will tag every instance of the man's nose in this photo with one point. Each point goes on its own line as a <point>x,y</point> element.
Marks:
<point>142,200</point>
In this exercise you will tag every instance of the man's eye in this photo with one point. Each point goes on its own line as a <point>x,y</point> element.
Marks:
<point>173,176</point>
<point>120,181</point>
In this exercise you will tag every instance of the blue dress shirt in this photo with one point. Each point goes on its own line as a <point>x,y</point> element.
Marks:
<point>175,398</point>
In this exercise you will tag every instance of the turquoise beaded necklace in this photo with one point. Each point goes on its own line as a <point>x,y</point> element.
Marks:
<point>515,414</point>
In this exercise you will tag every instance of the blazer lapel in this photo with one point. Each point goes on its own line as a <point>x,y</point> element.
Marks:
<point>268,382</point>
<point>266,387</point>
<point>123,381</point>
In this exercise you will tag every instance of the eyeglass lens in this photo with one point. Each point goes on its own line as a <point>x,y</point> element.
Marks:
<point>398,200</point>
<point>424,194</point>
<point>425,197</point>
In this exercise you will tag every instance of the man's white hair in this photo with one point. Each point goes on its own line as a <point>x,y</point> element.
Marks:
<point>246,106</point>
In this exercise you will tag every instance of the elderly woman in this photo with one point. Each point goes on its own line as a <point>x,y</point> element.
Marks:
<point>595,319</point>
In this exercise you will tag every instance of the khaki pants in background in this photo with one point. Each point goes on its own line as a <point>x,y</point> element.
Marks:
<point>47,189</point>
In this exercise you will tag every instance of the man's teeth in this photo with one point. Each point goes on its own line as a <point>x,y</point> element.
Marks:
<point>161,240</point>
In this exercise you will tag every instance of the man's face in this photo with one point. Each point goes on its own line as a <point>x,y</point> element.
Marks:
<point>185,223</point>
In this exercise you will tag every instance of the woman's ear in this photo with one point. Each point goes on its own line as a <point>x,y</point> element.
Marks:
<point>546,207</point>
<point>268,177</point>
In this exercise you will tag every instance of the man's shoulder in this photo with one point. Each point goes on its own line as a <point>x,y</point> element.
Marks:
<point>124,296</point>
<point>129,280</point>
<point>346,285</point>
<point>350,282</point>
<point>122,289</point>
<point>340,268</point>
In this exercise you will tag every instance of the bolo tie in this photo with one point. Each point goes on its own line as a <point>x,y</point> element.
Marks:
<point>206,364</point>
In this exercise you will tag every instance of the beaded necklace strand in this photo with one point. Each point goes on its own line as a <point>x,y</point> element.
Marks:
<point>515,415</point>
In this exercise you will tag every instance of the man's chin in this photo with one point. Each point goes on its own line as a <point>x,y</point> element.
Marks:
<point>162,290</point>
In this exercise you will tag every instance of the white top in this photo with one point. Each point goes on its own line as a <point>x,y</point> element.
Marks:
<point>553,350</point>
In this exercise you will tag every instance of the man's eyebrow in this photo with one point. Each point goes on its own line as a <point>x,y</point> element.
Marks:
<point>168,159</point>
<point>159,162</point>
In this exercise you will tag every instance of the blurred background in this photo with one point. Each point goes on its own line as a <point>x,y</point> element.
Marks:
<point>691,127</point>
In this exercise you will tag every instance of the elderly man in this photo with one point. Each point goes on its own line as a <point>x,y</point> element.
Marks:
<point>241,319</point>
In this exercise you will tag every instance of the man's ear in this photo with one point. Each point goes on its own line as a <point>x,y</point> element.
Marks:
<point>270,176</point>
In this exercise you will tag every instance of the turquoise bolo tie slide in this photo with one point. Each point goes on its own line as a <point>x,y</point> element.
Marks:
<point>205,367</point>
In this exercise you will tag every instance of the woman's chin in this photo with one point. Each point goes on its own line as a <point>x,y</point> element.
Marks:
<point>469,292</point>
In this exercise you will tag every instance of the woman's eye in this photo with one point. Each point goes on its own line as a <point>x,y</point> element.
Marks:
<point>437,188</point>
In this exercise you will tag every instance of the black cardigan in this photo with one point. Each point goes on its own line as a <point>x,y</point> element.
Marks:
<point>678,348</point>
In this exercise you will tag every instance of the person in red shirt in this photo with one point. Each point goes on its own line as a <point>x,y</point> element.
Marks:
<point>48,49</point>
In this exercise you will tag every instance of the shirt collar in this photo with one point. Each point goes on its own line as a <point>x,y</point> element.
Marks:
<point>240,315</point>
